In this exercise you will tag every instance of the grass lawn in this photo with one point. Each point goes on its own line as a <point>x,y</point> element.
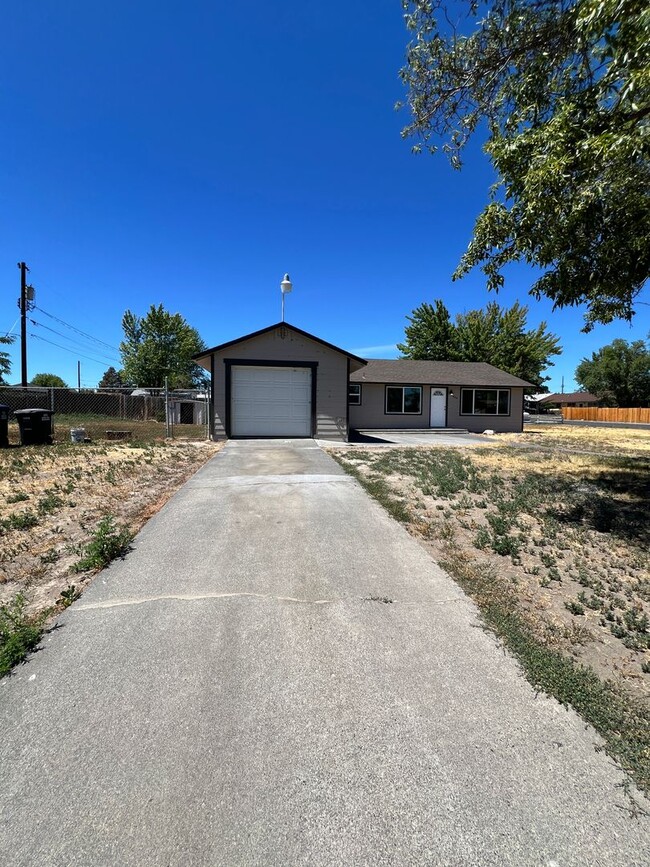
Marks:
<point>67,510</point>
<point>549,532</point>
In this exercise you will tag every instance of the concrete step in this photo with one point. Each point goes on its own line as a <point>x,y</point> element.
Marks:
<point>412,430</point>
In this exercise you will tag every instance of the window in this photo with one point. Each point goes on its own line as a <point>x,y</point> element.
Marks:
<point>403,399</point>
<point>485,401</point>
<point>354,393</point>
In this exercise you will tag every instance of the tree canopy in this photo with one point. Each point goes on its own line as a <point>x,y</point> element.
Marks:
<point>111,379</point>
<point>48,380</point>
<point>561,88</point>
<point>619,374</point>
<point>159,345</point>
<point>5,361</point>
<point>496,335</point>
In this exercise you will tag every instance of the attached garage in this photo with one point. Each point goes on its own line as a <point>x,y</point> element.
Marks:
<point>270,401</point>
<point>279,382</point>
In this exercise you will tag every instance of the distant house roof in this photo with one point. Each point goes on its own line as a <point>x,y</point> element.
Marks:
<point>313,337</point>
<point>407,371</point>
<point>570,397</point>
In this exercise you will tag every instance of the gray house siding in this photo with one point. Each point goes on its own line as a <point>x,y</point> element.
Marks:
<point>371,413</point>
<point>285,345</point>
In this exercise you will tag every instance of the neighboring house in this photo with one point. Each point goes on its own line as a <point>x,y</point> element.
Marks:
<point>284,382</point>
<point>574,398</point>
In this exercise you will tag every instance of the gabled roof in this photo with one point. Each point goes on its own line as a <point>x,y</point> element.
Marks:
<point>571,397</point>
<point>272,328</point>
<point>407,371</point>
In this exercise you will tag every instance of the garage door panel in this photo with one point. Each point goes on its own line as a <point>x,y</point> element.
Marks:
<point>270,401</point>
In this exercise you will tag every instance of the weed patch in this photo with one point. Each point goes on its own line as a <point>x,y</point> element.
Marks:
<point>106,544</point>
<point>19,633</point>
<point>19,521</point>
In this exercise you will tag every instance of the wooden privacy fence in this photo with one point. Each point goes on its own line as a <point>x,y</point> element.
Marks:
<point>632,415</point>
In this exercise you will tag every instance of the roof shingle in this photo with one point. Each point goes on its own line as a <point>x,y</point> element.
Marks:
<point>407,371</point>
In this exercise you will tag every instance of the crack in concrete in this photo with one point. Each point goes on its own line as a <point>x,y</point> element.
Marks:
<point>194,597</point>
<point>257,480</point>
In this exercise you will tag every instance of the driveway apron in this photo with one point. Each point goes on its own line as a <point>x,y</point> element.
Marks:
<point>278,674</point>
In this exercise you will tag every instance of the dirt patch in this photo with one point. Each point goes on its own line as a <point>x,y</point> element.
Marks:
<point>53,497</point>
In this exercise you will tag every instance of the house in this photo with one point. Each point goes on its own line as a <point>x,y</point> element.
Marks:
<point>400,393</point>
<point>282,381</point>
<point>573,398</point>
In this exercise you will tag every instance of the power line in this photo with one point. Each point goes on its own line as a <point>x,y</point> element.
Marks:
<point>7,333</point>
<point>74,328</point>
<point>111,358</point>
<point>65,348</point>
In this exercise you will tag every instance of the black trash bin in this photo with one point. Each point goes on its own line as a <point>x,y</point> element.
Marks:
<point>4,426</point>
<point>35,426</point>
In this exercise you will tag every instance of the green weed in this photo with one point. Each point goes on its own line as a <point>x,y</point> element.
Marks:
<point>19,521</point>
<point>19,633</point>
<point>19,497</point>
<point>106,544</point>
<point>49,503</point>
<point>68,596</point>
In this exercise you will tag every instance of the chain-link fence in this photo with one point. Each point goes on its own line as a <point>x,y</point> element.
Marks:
<point>140,414</point>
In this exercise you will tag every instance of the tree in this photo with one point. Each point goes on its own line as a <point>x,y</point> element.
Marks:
<point>563,91</point>
<point>48,380</point>
<point>111,379</point>
<point>619,374</point>
<point>431,334</point>
<point>5,360</point>
<point>159,345</point>
<point>495,335</point>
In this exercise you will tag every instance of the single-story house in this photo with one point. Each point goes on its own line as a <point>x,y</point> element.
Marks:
<point>572,398</point>
<point>282,381</point>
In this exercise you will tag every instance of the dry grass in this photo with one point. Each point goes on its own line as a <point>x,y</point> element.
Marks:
<point>53,497</point>
<point>632,441</point>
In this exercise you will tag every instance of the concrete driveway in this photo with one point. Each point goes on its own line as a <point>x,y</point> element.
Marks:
<point>278,674</point>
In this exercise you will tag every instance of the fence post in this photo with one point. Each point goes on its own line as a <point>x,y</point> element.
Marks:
<point>52,398</point>
<point>167,432</point>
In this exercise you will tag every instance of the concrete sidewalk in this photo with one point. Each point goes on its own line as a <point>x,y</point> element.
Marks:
<point>240,691</point>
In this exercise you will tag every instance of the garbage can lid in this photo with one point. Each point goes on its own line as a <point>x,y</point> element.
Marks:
<point>32,411</point>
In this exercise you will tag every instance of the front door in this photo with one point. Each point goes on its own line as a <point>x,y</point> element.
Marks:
<point>438,414</point>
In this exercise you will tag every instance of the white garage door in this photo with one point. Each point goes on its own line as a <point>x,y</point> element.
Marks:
<point>270,401</point>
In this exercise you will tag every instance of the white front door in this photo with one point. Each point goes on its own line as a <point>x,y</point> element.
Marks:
<point>438,414</point>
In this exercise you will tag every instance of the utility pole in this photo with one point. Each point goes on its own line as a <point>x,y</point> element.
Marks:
<point>78,376</point>
<point>23,323</point>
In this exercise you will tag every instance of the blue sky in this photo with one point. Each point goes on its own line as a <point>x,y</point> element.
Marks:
<point>189,153</point>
